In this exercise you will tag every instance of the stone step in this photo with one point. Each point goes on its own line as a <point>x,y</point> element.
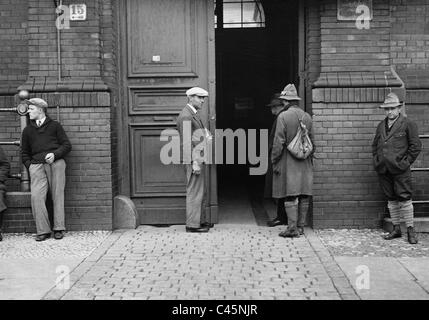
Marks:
<point>421,224</point>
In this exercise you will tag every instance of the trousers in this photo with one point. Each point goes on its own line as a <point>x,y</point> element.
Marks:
<point>46,177</point>
<point>195,197</point>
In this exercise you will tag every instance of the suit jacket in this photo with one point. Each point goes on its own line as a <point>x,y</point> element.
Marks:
<point>396,151</point>
<point>191,128</point>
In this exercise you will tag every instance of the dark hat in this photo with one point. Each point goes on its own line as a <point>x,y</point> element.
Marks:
<point>391,101</point>
<point>275,101</point>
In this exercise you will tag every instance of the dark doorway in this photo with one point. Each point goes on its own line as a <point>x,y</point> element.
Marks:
<point>257,54</point>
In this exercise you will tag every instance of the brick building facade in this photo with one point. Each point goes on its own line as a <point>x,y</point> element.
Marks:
<point>347,71</point>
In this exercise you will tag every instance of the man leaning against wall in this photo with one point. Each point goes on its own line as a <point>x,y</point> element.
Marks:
<point>395,147</point>
<point>44,146</point>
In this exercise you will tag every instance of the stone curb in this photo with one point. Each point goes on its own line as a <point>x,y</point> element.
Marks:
<point>77,273</point>
<point>338,277</point>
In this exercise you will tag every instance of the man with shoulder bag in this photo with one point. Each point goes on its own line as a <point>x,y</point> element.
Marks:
<point>293,171</point>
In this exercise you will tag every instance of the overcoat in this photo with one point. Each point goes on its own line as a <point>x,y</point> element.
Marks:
<point>268,190</point>
<point>4,172</point>
<point>396,151</point>
<point>292,177</point>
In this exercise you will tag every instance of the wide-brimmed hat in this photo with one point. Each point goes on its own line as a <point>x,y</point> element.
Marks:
<point>275,101</point>
<point>289,93</point>
<point>391,101</point>
<point>197,91</point>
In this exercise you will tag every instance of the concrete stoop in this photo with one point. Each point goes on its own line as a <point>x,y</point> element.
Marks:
<point>420,225</point>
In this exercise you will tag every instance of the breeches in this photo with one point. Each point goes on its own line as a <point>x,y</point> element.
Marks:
<point>396,187</point>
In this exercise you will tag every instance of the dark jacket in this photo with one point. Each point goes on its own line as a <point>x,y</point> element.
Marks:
<point>4,173</point>
<point>38,142</point>
<point>268,190</point>
<point>4,167</point>
<point>395,152</point>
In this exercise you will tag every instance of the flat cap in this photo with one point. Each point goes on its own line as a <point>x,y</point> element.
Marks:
<point>197,91</point>
<point>37,102</point>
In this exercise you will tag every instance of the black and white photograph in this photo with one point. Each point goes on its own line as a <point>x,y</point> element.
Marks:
<point>216,155</point>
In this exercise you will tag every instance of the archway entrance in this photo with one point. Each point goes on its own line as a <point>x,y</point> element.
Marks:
<point>257,54</point>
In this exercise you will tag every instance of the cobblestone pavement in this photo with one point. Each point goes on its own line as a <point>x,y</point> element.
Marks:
<point>229,262</point>
<point>370,243</point>
<point>74,244</point>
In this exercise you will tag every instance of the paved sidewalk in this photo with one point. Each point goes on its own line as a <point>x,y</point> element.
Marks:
<point>29,269</point>
<point>380,269</point>
<point>232,261</point>
<point>229,262</point>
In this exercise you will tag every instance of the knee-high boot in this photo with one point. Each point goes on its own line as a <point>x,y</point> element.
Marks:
<point>302,213</point>
<point>292,216</point>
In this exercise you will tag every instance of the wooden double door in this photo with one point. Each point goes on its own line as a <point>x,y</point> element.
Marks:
<point>166,47</point>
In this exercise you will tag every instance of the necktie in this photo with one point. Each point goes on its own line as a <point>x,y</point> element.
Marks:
<point>39,123</point>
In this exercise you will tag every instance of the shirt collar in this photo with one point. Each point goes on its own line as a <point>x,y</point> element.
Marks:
<point>41,121</point>
<point>192,108</point>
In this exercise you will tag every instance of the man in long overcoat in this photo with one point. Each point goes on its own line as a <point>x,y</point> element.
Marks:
<point>395,147</point>
<point>4,173</point>
<point>293,178</point>
<point>277,107</point>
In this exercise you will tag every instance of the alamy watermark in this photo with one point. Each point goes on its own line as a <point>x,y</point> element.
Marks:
<point>62,282</point>
<point>363,278</point>
<point>200,146</point>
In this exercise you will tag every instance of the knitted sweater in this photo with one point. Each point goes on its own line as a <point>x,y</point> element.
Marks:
<point>37,142</point>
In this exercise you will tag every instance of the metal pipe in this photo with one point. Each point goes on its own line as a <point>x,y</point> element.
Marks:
<point>8,109</point>
<point>25,179</point>
<point>419,169</point>
<point>59,48</point>
<point>10,143</point>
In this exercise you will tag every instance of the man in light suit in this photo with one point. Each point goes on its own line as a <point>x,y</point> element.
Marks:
<point>190,125</point>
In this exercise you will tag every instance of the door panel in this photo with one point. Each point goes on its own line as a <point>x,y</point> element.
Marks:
<point>162,38</point>
<point>168,47</point>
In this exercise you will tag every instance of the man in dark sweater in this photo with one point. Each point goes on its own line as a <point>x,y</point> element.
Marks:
<point>4,172</point>
<point>44,145</point>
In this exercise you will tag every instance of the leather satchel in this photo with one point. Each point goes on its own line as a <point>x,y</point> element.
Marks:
<point>301,146</point>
